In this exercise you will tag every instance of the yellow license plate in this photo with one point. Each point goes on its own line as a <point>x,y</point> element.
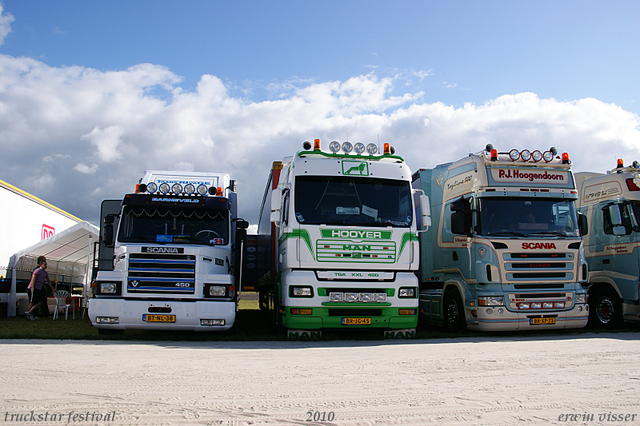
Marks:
<point>158,318</point>
<point>538,321</point>
<point>356,321</point>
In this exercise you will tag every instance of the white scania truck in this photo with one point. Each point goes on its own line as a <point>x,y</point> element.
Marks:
<point>169,255</point>
<point>341,233</point>
<point>611,203</point>
<point>504,251</point>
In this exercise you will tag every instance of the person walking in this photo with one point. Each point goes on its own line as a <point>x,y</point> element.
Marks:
<point>36,291</point>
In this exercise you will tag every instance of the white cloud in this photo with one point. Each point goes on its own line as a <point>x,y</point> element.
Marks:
<point>5,23</point>
<point>100,130</point>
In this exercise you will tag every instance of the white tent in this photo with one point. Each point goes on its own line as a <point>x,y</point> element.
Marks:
<point>69,251</point>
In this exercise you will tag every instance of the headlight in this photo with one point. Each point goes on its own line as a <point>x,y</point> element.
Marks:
<point>407,292</point>
<point>490,301</point>
<point>108,288</point>
<point>351,297</point>
<point>301,292</point>
<point>217,291</point>
<point>335,297</point>
<point>581,298</point>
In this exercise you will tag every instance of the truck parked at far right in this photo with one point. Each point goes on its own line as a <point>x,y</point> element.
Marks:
<point>611,203</point>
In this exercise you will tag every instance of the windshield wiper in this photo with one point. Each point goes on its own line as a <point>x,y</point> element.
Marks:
<point>516,234</point>
<point>558,232</point>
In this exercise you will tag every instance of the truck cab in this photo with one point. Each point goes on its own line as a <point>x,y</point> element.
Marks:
<point>611,202</point>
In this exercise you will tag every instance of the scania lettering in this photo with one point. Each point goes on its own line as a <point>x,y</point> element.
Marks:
<point>169,255</point>
<point>341,233</point>
<point>504,251</point>
<point>611,202</point>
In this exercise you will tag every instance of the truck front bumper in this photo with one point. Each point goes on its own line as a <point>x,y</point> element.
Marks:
<point>120,314</point>
<point>501,319</point>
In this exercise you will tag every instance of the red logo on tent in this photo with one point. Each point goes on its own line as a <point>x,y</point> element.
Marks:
<point>47,231</point>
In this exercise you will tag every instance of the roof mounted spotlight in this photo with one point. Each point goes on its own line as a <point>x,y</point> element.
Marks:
<point>372,148</point>
<point>488,148</point>
<point>212,190</point>
<point>636,165</point>
<point>152,187</point>
<point>393,149</point>
<point>202,189</point>
<point>525,154</point>
<point>347,147</point>
<point>334,146</point>
<point>536,155</point>
<point>514,154</point>
<point>176,188</point>
<point>306,145</point>
<point>189,189</point>
<point>548,156</point>
<point>164,188</point>
<point>358,147</point>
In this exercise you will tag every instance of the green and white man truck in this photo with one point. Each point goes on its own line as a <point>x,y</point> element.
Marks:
<point>611,203</point>
<point>341,233</point>
<point>169,255</point>
<point>504,251</point>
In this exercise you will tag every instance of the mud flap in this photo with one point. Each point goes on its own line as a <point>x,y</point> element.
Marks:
<point>304,334</point>
<point>406,333</point>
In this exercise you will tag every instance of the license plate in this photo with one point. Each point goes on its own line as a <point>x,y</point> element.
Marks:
<point>538,321</point>
<point>356,321</point>
<point>158,318</point>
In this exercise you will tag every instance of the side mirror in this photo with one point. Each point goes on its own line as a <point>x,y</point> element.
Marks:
<point>614,213</point>
<point>583,224</point>
<point>107,235</point>
<point>457,206</point>
<point>276,199</point>
<point>242,224</point>
<point>458,223</point>
<point>425,211</point>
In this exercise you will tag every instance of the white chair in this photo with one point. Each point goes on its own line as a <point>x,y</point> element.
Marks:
<point>63,301</point>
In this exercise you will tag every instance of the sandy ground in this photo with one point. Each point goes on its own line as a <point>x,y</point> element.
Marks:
<point>594,378</point>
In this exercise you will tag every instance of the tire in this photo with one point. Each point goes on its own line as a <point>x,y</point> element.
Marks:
<point>453,317</point>
<point>605,310</point>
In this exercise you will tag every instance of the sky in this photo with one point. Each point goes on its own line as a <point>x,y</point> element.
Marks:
<point>93,93</point>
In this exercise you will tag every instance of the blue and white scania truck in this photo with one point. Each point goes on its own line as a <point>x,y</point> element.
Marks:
<point>341,233</point>
<point>169,255</point>
<point>611,203</point>
<point>504,251</point>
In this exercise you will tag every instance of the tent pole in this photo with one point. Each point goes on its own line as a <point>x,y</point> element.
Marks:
<point>11,309</point>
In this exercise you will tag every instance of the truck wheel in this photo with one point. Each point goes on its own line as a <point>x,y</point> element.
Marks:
<point>453,312</point>
<point>605,309</point>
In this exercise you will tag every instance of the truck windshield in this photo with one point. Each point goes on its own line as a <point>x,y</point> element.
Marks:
<point>339,200</point>
<point>150,224</point>
<point>534,217</point>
